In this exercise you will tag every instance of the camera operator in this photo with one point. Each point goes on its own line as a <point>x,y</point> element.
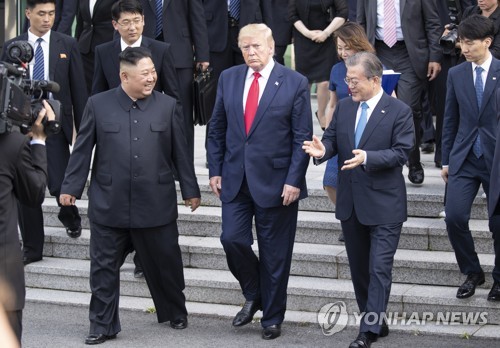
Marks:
<point>23,177</point>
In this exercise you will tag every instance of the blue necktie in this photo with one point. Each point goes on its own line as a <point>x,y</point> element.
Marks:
<point>361,124</point>
<point>159,17</point>
<point>234,9</point>
<point>38,69</point>
<point>478,86</point>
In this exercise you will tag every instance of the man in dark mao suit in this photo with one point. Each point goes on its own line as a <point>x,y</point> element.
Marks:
<point>138,136</point>
<point>469,139</point>
<point>183,26</point>
<point>372,133</point>
<point>128,21</point>
<point>63,65</point>
<point>257,168</point>
<point>415,53</point>
<point>23,176</point>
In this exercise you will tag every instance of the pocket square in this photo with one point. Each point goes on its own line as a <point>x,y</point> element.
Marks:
<point>62,55</point>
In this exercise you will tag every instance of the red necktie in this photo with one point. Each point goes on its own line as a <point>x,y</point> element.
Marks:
<point>252,102</point>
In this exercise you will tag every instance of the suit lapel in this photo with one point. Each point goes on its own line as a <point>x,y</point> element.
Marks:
<point>165,5</point>
<point>115,52</point>
<point>491,84</point>
<point>377,115</point>
<point>351,124</point>
<point>465,82</point>
<point>239,86</point>
<point>273,84</point>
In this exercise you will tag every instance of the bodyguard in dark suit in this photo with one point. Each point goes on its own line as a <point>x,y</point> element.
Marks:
<point>181,23</point>
<point>410,45</point>
<point>261,117</point>
<point>469,140</point>
<point>137,136</point>
<point>372,133</point>
<point>62,64</point>
<point>125,14</point>
<point>281,27</point>
<point>224,21</point>
<point>93,27</point>
<point>23,176</point>
<point>494,210</point>
<point>65,15</point>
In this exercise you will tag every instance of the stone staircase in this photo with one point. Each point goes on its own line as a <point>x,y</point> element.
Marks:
<point>425,274</point>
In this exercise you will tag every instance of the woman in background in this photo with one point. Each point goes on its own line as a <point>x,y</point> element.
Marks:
<point>350,39</point>
<point>314,22</point>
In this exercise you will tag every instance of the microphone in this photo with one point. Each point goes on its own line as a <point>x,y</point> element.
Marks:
<point>45,85</point>
<point>12,70</point>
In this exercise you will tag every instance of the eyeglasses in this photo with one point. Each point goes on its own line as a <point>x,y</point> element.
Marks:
<point>354,82</point>
<point>127,23</point>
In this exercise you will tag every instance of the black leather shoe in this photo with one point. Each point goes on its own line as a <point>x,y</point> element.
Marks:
<point>416,173</point>
<point>364,340</point>
<point>384,330</point>
<point>427,147</point>
<point>271,332</point>
<point>468,288</point>
<point>28,260</point>
<point>98,338</point>
<point>179,324</point>
<point>494,294</point>
<point>138,272</point>
<point>74,233</point>
<point>341,237</point>
<point>247,312</point>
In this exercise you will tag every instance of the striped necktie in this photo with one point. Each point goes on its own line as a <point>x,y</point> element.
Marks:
<point>478,86</point>
<point>159,17</point>
<point>234,9</point>
<point>39,68</point>
<point>389,23</point>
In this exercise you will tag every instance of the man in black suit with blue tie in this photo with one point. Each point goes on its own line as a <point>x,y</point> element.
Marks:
<point>469,140</point>
<point>372,133</point>
<point>59,60</point>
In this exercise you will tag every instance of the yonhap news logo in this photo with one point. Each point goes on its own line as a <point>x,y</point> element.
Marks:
<point>333,318</point>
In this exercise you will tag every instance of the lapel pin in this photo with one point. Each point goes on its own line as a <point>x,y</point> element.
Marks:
<point>383,111</point>
<point>62,55</point>
<point>277,83</point>
<point>494,78</point>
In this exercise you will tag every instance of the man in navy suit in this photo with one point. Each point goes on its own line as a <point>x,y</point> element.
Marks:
<point>469,140</point>
<point>261,117</point>
<point>137,135</point>
<point>494,210</point>
<point>62,64</point>
<point>372,133</point>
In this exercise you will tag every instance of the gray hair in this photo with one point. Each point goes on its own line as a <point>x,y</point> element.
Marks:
<point>369,61</point>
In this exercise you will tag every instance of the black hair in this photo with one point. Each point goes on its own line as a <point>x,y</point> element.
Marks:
<point>132,55</point>
<point>476,27</point>
<point>32,3</point>
<point>125,6</point>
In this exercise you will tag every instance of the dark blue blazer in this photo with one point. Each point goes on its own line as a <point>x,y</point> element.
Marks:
<point>184,28</point>
<point>494,194</point>
<point>107,67</point>
<point>377,191</point>
<point>463,119</point>
<point>271,155</point>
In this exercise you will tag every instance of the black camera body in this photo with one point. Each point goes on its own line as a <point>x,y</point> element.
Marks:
<point>21,98</point>
<point>448,42</point>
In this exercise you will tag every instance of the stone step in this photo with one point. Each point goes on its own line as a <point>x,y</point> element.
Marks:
<point>313,260</point>
<point>144,304</point>
<point>423,201</point>
<point>312,227</point>
<point>305,294</point>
